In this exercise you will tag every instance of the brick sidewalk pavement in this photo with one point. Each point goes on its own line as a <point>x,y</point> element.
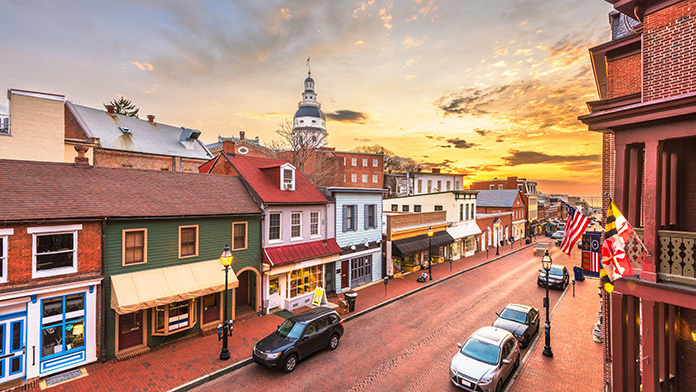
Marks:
<point>194,360</point>
<point>577,360</point>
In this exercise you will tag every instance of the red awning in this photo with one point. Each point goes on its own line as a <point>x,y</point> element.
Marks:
<point>281,255</point>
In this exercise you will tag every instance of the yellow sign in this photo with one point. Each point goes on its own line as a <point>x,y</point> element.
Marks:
<point>318,296</point>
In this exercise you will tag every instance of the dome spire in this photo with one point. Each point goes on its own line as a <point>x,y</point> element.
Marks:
<point>309,120</point>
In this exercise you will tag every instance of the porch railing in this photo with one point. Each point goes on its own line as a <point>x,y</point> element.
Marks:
<point>676,256</point>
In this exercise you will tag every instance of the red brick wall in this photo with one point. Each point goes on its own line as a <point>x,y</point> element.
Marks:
<point>359,170</point>
<point>122,159</point>
<point>20,254</point>
<point>623,76</point>
<point>669,51</point>
<point>72,128</point>
<point>223,167</point>
<point>686,353</point>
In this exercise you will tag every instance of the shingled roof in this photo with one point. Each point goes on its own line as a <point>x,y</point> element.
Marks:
<point>497,198</point>
<point>47,190</point>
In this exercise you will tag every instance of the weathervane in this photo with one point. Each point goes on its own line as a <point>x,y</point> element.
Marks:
<point>309,69</point>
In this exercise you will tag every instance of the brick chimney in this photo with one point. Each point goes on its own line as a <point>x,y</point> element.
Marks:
<point>81,160</point>
<point>228,146</point>
<point>110,109</point>
<point>241,135</point>
<point>151,118</point>
<point>436,170</point>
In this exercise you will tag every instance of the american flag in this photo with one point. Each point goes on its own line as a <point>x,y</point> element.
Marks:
<point>577,222</point>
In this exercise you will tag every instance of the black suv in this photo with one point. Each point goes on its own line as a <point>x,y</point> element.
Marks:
<point>298,337</point>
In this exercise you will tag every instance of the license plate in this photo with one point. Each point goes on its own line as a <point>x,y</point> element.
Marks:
<point>465,383</point>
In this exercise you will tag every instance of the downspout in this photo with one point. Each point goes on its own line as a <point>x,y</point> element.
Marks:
<point>262,310</point>
<point>102,326</point>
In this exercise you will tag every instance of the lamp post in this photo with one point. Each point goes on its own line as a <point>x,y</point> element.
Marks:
<point>430,256</point>
<point>546,264</point>
<point>497,239</point>
<point>226,260</point>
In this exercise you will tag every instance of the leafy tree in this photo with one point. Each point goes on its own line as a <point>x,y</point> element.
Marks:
<point>124,106</point>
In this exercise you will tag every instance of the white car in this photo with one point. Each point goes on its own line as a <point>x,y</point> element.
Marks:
<point>485,361</point>
<point>558,235</point>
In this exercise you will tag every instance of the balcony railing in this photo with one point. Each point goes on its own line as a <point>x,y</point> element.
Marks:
<point>676,256</point>
<point>634,251</point>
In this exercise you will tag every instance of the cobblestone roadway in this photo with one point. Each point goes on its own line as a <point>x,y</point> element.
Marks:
<point>407,345</point>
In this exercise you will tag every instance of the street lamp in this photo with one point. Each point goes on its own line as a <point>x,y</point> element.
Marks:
<point>546,264</point>
<point>226,260</point>
<point>430,256</point>
<point>497,240</point>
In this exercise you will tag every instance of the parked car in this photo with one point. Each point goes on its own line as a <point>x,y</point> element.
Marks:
<point>558,277</point>
<point>298,337</point>
<point>485,360</point>
<point>558,235</point>
<point>521,321</point>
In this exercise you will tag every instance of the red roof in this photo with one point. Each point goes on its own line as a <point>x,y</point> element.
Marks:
<point>288,254</point>
<point>265,181</point>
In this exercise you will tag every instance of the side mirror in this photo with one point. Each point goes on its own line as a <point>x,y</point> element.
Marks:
<point>459,345</point>
<point>506,361</point>
<point>497,314</point>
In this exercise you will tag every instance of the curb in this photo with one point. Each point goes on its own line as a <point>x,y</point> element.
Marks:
<point>238,365</point>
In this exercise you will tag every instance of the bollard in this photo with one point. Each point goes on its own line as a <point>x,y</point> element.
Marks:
<point>573,287</point>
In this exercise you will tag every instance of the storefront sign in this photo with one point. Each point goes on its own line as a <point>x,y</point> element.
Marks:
<point>318,296</point>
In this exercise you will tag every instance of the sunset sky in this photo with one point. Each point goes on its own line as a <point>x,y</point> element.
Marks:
<point>485,88</point>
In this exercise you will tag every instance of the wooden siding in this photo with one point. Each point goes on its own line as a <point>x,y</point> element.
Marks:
<point>162,249</point>
<point>359,200</point>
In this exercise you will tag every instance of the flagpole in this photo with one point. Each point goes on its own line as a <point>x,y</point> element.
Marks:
<point>647,252</point>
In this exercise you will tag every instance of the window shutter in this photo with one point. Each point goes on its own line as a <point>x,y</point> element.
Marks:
<point>355,217</point>
<point>345,225</point>
<point>367,218</point>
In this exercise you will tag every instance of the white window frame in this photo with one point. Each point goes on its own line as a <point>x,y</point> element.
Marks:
<point>375,178</point>
<point>287,184</point>
<point>292,224</point>
<point>4,234</point>
<point>354,161</point>
<point>344,177</point>
<point>312,214</point>
<point>280,227</point>
<point>364,162</point>
<point>364,178</point>
<point>500,186</point>
<point>375,162</point>
<point>354,177</point>
<point>49,230</point>
<point>491,187</point>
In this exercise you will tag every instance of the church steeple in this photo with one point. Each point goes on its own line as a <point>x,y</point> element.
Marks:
<point>309,119</point>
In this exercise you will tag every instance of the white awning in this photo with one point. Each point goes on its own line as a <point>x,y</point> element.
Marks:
<point>464,230</point>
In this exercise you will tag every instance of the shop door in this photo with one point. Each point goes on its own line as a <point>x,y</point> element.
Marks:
<point>12,348</point>
<point>243,290</point>
<point>211,308</point>
<point>130,330</point>
<point>344,274</point>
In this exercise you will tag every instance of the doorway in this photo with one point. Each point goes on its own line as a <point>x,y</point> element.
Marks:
<point>12,346</point>
<point>130,330</point>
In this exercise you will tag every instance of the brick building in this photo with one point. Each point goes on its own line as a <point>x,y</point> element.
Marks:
<point>646,80</point>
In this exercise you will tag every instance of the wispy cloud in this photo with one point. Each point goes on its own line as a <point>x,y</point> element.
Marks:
<point>144,66</point>
<point>348,116</point>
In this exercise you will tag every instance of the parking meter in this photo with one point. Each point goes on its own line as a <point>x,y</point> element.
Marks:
<point>573,287</point>
<point>219,332</point>
<point>386,280</point>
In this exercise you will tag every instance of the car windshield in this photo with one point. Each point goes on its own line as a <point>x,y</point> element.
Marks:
<point>556,271</point>
<point>514,315</point>
<point>290,329</point>
<point>481,351</point>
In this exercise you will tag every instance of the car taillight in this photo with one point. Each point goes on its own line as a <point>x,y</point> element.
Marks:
<point>341,322</point>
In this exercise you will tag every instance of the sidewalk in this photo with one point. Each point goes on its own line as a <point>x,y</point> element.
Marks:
<point>190,362</point>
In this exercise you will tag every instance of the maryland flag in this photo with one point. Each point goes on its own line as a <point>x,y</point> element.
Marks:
<point>616,233</point>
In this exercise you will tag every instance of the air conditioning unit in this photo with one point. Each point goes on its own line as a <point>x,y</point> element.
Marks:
<point>287,186</point>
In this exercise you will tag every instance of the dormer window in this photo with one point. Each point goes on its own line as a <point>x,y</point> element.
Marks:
<point>287,180</point>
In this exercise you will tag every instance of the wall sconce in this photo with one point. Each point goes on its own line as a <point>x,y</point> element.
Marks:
<point>366,242</point>
<point>352,246</point>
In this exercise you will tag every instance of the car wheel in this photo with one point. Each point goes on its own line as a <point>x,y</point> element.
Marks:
<point>333,342</point>
<point>290,363</point>
<point>538,284</point>
<point>499,387</point>
<point>517,363</point>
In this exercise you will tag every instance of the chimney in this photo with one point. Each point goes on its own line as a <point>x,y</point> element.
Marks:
<point>151,118</point>
<point>228,146</point>
<point>241,135</point>
<point>110,109</point>
<point>81,160</point>
<point>436,170</point>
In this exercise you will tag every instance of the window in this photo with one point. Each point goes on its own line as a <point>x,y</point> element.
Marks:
<point>364,178</point>
<point>420,186</point>
<point>54,250</point>
<point>134,246</point>
<point>404,208</point>
<point>417,208</point>
<point>274,226</point>
<point>438,208</point>
<point>314,223</point>
<point>456,185</point>
<point>370,213</point>
<point>288,179</point>
<point>173,317</point>
<point>439,186</point>
<point>500,186</point>
<point>239,235</point>
<point>349,218</point>
<point>354,161</point>
<point>374,162</point>
<point>491,187</point>
<point>296,225</point>
<point>519,187</point>
<point>375,178</point>
<point>62,325</point>
<point>461,212</point>
<point>365,162</point>
<point>353,177</point>
<point>430,185</point>
<point>395,207</point>
<point>188,241</point>
<point>344,161</point>
<point>305,280</point>
<point>448,185</point>
<point>360,270</point>
<point>3,253</point>
<point>344,177</point>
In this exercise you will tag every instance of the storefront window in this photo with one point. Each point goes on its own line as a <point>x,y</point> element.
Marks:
<point>273,285</point>
<point>174,317</point>
<point>397,266</point>
<point>305,280</point>
<point>62,325</point>
<point>411,261</point>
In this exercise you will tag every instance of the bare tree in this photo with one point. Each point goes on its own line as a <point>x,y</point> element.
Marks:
<point>307,154</point>
<point>392,163</point>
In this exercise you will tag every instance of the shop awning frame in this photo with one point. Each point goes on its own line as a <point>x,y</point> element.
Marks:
<point>464,230</point>
<point>417,244</point>
<point>160,286</point>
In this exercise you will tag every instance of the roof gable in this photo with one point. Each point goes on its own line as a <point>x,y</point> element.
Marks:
<point>499,198</point>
